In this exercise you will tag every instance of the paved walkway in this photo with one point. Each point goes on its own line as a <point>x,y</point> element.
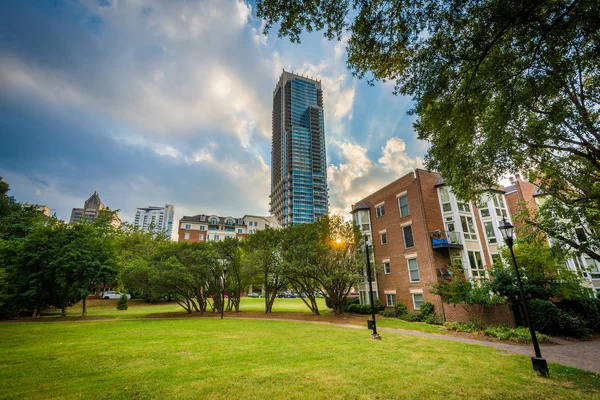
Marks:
<point>582,355</point>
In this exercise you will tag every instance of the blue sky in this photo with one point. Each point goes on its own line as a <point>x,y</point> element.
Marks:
<point>153,102</point>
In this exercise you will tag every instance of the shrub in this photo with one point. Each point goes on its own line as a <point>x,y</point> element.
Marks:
<point>388,313</point>
<point>413,317</point>
<point>123,303</point>
<point>400,309</point>
<point>460,326</point>
<point>378,305</point>
<point>348,302</point>
<point>434,319</point>
<point>573,326</point>
<point>427,308</point>
<point>587,310</point>
<point>545,316</point>
<point>518,335</point>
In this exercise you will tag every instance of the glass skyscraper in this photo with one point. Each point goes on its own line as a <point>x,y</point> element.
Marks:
<point>298,165</point>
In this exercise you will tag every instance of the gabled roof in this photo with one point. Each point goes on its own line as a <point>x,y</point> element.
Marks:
<point>362,205</point>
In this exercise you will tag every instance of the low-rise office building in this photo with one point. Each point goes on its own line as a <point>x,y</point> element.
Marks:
<point>205,228</point>
<point>418,227</point>
<point>522,193</point>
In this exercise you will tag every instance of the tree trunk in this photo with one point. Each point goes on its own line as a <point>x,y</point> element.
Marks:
<point>63,310</point>
<point>83,306</point>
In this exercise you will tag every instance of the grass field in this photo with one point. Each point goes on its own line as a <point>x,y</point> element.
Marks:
<point>233,359</point>
<point>141,309</point>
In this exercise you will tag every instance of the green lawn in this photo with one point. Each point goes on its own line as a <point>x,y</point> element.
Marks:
<point>140,309</point>
<point>230,359</point>
<point>412,326</point>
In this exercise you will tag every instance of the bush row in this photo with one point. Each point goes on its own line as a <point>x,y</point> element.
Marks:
<point>517,335</point>
<point>576,318</point>
<point>426,314</point>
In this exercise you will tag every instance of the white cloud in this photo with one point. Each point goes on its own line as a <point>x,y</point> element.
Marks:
<point>358,176</point>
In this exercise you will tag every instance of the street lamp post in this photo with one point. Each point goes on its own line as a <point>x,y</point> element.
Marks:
<point>223,299</point>
<point>539,364</point>
<point>373,323</point>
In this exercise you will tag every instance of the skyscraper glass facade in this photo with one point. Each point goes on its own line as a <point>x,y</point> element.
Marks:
<point>298,163</point>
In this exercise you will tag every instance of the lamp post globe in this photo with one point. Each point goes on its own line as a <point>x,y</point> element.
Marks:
<point>539,364</point>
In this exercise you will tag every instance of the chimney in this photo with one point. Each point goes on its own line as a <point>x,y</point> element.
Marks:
<point>512,179</point>
<point>518,177</point>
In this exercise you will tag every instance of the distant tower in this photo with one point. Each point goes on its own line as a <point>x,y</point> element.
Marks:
<point>157,219</point>
<point>298,164</point>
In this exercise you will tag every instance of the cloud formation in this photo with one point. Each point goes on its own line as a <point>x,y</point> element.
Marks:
<point>153,102</point>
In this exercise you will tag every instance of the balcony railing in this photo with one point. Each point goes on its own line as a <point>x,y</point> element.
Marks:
<point>446,240</point>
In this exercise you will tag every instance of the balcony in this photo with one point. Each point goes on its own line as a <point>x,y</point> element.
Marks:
<point>445,240</point>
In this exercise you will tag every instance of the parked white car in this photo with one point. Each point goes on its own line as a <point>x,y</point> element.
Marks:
<point>114,295</point>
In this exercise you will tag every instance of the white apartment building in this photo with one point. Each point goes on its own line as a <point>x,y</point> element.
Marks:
<point>157,219</point>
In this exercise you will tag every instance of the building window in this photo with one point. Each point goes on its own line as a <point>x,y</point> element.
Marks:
<point>240,230</point>
<point>380,210</point>
<point>413,270</point>
<point>383,237</point>
<point>188,226</point>
<point>186,236</point>
<point>490,233</point>
<point>255,223</point>
<point>365,227</point>
<point>390,300</point>
<point>213,221</point>
<point>499,205</point>
<point>417,300</point>
<point>477,268</point>
<point>468,227</point>
<point>216,237</point>
<point>485,212</point>
<point>408,236</point>
<point>387,269</point>
<point>201,237</point>
<point>592,265</point>
<point>445,198</point>
<point>464,207</point>
<point>202,227</point>
<point>403,203</point>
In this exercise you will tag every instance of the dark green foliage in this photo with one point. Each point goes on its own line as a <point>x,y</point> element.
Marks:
<point>518,335</point>
<point>586,310</point>
<point>359,309</point>
<point>434,319</point>
<point>378,305</point>
<point>348,303</point>
<point>388,313</point>
<point>543,273</point>
<point>546,317</point>
<point>400,309</point>
<point>498,87</point>
<point>413,317</point>
<point>427,309</point>
<point>123,303</point>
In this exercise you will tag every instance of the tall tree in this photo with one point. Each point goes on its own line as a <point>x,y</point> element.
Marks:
<point>238,275</point>
<point>264,255</point>
<point>499,86</point>
<point>300,247</point>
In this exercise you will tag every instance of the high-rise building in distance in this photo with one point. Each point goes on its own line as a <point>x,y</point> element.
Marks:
<point>91,208</point>
<point>157,219</point>
<point>298,164</point>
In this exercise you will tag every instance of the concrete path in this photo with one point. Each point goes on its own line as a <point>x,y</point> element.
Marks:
<point>582,355</point>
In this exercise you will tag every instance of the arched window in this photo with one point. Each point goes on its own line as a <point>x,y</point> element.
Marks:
<point>213,221</point>
<point>230,222</point>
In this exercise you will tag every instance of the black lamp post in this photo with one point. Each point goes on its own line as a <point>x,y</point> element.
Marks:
<point>372,324</point>
<point>539,364</point>
<point>223,300</point>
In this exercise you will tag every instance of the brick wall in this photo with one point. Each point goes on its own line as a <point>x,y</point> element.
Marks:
<point>492,315</point>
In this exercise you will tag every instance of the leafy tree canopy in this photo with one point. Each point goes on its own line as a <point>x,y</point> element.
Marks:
<point>499,86</point>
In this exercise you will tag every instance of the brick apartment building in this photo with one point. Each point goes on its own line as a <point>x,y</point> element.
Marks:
<point>204,228</point>
<point>522,193</point>
<point>417,227</point>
